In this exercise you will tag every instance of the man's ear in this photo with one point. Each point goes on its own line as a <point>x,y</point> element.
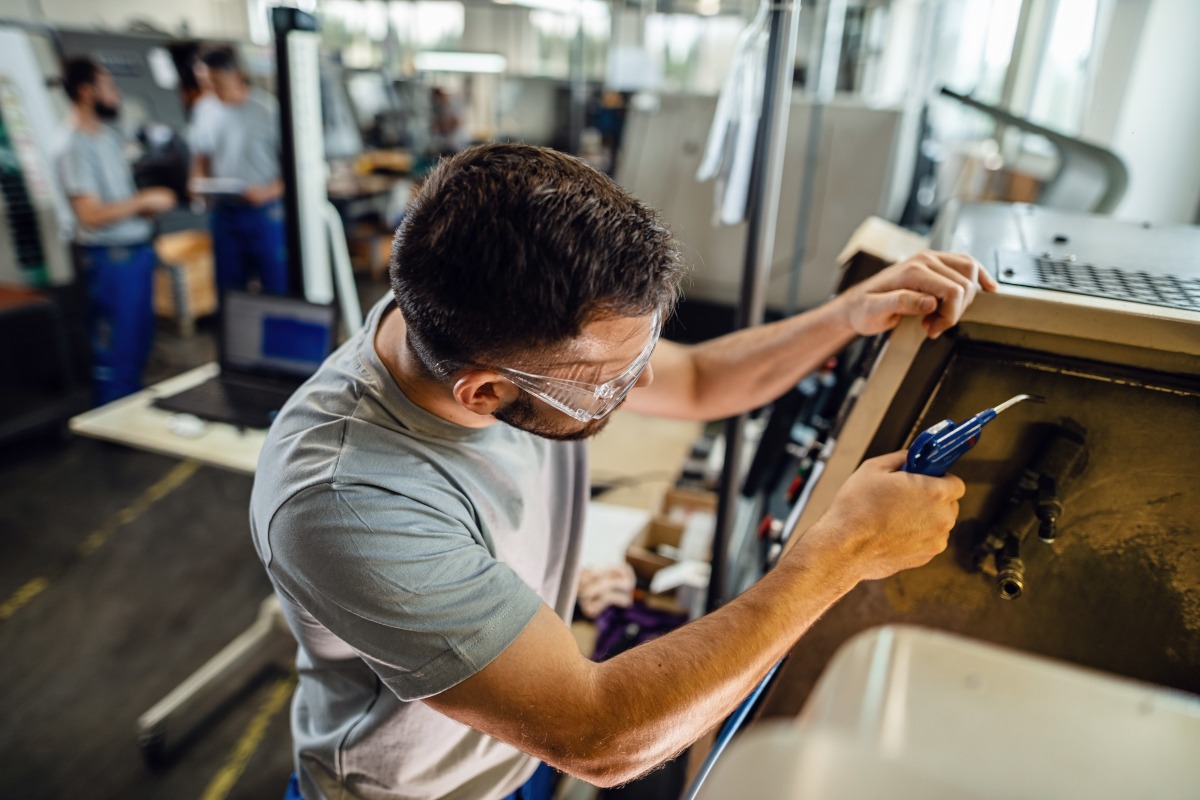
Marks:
<point>482,391</point>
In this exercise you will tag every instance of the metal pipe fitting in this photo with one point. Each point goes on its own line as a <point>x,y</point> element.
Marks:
<point>1010,570</point>
<point>1048,513</point>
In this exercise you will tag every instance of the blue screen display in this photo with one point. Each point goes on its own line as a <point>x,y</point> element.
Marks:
<point>294,340</point>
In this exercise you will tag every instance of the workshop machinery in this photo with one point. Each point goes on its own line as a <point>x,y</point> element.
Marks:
<point>1079,535</point>
<point>1078,538</point>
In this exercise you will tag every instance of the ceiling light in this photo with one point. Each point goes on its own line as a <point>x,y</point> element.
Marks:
<point>448,61</point>
<point>582,8</point>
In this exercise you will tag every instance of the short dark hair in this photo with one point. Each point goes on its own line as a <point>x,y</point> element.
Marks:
<point>79,71</point>
<point>510,248</point>
<point>221,59</point>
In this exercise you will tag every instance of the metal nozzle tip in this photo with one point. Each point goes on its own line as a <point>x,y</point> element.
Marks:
<point>1021,398</point>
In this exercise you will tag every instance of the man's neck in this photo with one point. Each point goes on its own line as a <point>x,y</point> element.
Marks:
<point>391,345</point>
<point>87,120</point>
<point>240,98</point>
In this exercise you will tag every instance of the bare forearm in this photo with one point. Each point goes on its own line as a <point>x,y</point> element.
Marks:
<point>608,723</point>
<point>668,692</point>
<point>200,167</point>
<point>266,193</point>
<point>750,368</point>
<point>663,695</point>
<point>747,369</point>
<point>98,215</point>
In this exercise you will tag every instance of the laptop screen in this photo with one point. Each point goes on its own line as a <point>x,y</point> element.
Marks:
<point>281,335</point>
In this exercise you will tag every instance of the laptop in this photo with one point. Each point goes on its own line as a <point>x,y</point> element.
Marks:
<point>268,346</point>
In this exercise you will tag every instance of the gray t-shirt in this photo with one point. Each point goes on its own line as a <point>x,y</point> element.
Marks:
<point>407,553</point>
<point>205,120</point>
<point>241,141</point>
<point>95,165</point>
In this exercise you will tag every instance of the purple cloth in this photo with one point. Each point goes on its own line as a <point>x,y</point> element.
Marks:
<point>619,629</point>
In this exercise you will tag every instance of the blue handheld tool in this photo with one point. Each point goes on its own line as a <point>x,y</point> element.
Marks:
<point>936,449</point>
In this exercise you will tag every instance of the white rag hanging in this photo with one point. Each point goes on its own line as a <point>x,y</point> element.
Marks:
<point>729,153</point>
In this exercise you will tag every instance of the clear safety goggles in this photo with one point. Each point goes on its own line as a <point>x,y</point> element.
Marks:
<point>586,401</point>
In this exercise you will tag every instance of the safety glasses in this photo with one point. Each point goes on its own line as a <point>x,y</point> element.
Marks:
<point>586,401</point>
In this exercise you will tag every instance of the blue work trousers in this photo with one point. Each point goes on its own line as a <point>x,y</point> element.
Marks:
<point>539,787</point>
<point>120,316</point>
<point>247,241</point>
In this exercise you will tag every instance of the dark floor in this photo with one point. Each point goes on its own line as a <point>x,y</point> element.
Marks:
<point>112,591</point>
<point>117,625</point>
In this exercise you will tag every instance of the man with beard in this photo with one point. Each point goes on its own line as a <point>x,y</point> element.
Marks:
<point>113,231</point>
<point>418,504</point>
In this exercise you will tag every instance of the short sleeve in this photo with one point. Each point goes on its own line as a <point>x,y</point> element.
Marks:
<point>206,120</point>
<point>410,587</point>
<point>78,177</point>
<point>199,135</point>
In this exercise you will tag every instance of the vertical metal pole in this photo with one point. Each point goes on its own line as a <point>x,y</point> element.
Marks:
<point>765,181</point>
<point>284,20</point>
<point>822,84</point>
<point>1016,61</point>
<point>578,84</point>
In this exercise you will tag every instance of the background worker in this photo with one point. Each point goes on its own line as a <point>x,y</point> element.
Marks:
<point>113,230</point>
<point>449,126</point>
<point>242,143</point>
<point>419,503</point>
<point>205,112</point>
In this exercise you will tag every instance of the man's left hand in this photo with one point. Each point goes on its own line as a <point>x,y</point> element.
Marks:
<point>936,286</point>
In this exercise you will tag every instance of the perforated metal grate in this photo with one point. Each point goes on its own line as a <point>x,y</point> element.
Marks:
<point>1041,272</point>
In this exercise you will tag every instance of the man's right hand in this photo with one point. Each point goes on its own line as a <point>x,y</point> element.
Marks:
<point>155,200</point>
<point>883,521</point>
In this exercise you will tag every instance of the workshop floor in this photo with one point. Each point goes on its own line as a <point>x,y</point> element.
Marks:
<point>121,572</point>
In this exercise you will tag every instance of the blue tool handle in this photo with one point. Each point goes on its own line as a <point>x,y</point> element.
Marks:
<point>936,449</point>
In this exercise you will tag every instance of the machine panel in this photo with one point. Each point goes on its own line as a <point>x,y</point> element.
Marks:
<point>1111,460</point>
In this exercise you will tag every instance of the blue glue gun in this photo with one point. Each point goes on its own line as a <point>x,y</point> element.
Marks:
<point>936,449</point>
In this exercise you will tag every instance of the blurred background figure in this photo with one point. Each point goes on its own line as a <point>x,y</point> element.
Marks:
<point>113,230</point>
<point>239,146</point>
<point>449,129</point>
<point>204,113</point>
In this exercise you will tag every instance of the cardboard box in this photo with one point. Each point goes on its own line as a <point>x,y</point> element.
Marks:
<point>370,249</point>
<point>666,528</point>
<point>185,288</point>
<point>642,554</point>
<point>689,501</point>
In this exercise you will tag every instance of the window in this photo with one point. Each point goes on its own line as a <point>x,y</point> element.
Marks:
<point>696,52</point>
<point>554,35</point>
<point>367,32</point>
<point>1063,86</point>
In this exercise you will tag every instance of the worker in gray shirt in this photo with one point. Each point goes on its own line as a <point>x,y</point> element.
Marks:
<point>204,116</point>
<point>113,231</point>
<point>241,143</point>
<point>419,502</point>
